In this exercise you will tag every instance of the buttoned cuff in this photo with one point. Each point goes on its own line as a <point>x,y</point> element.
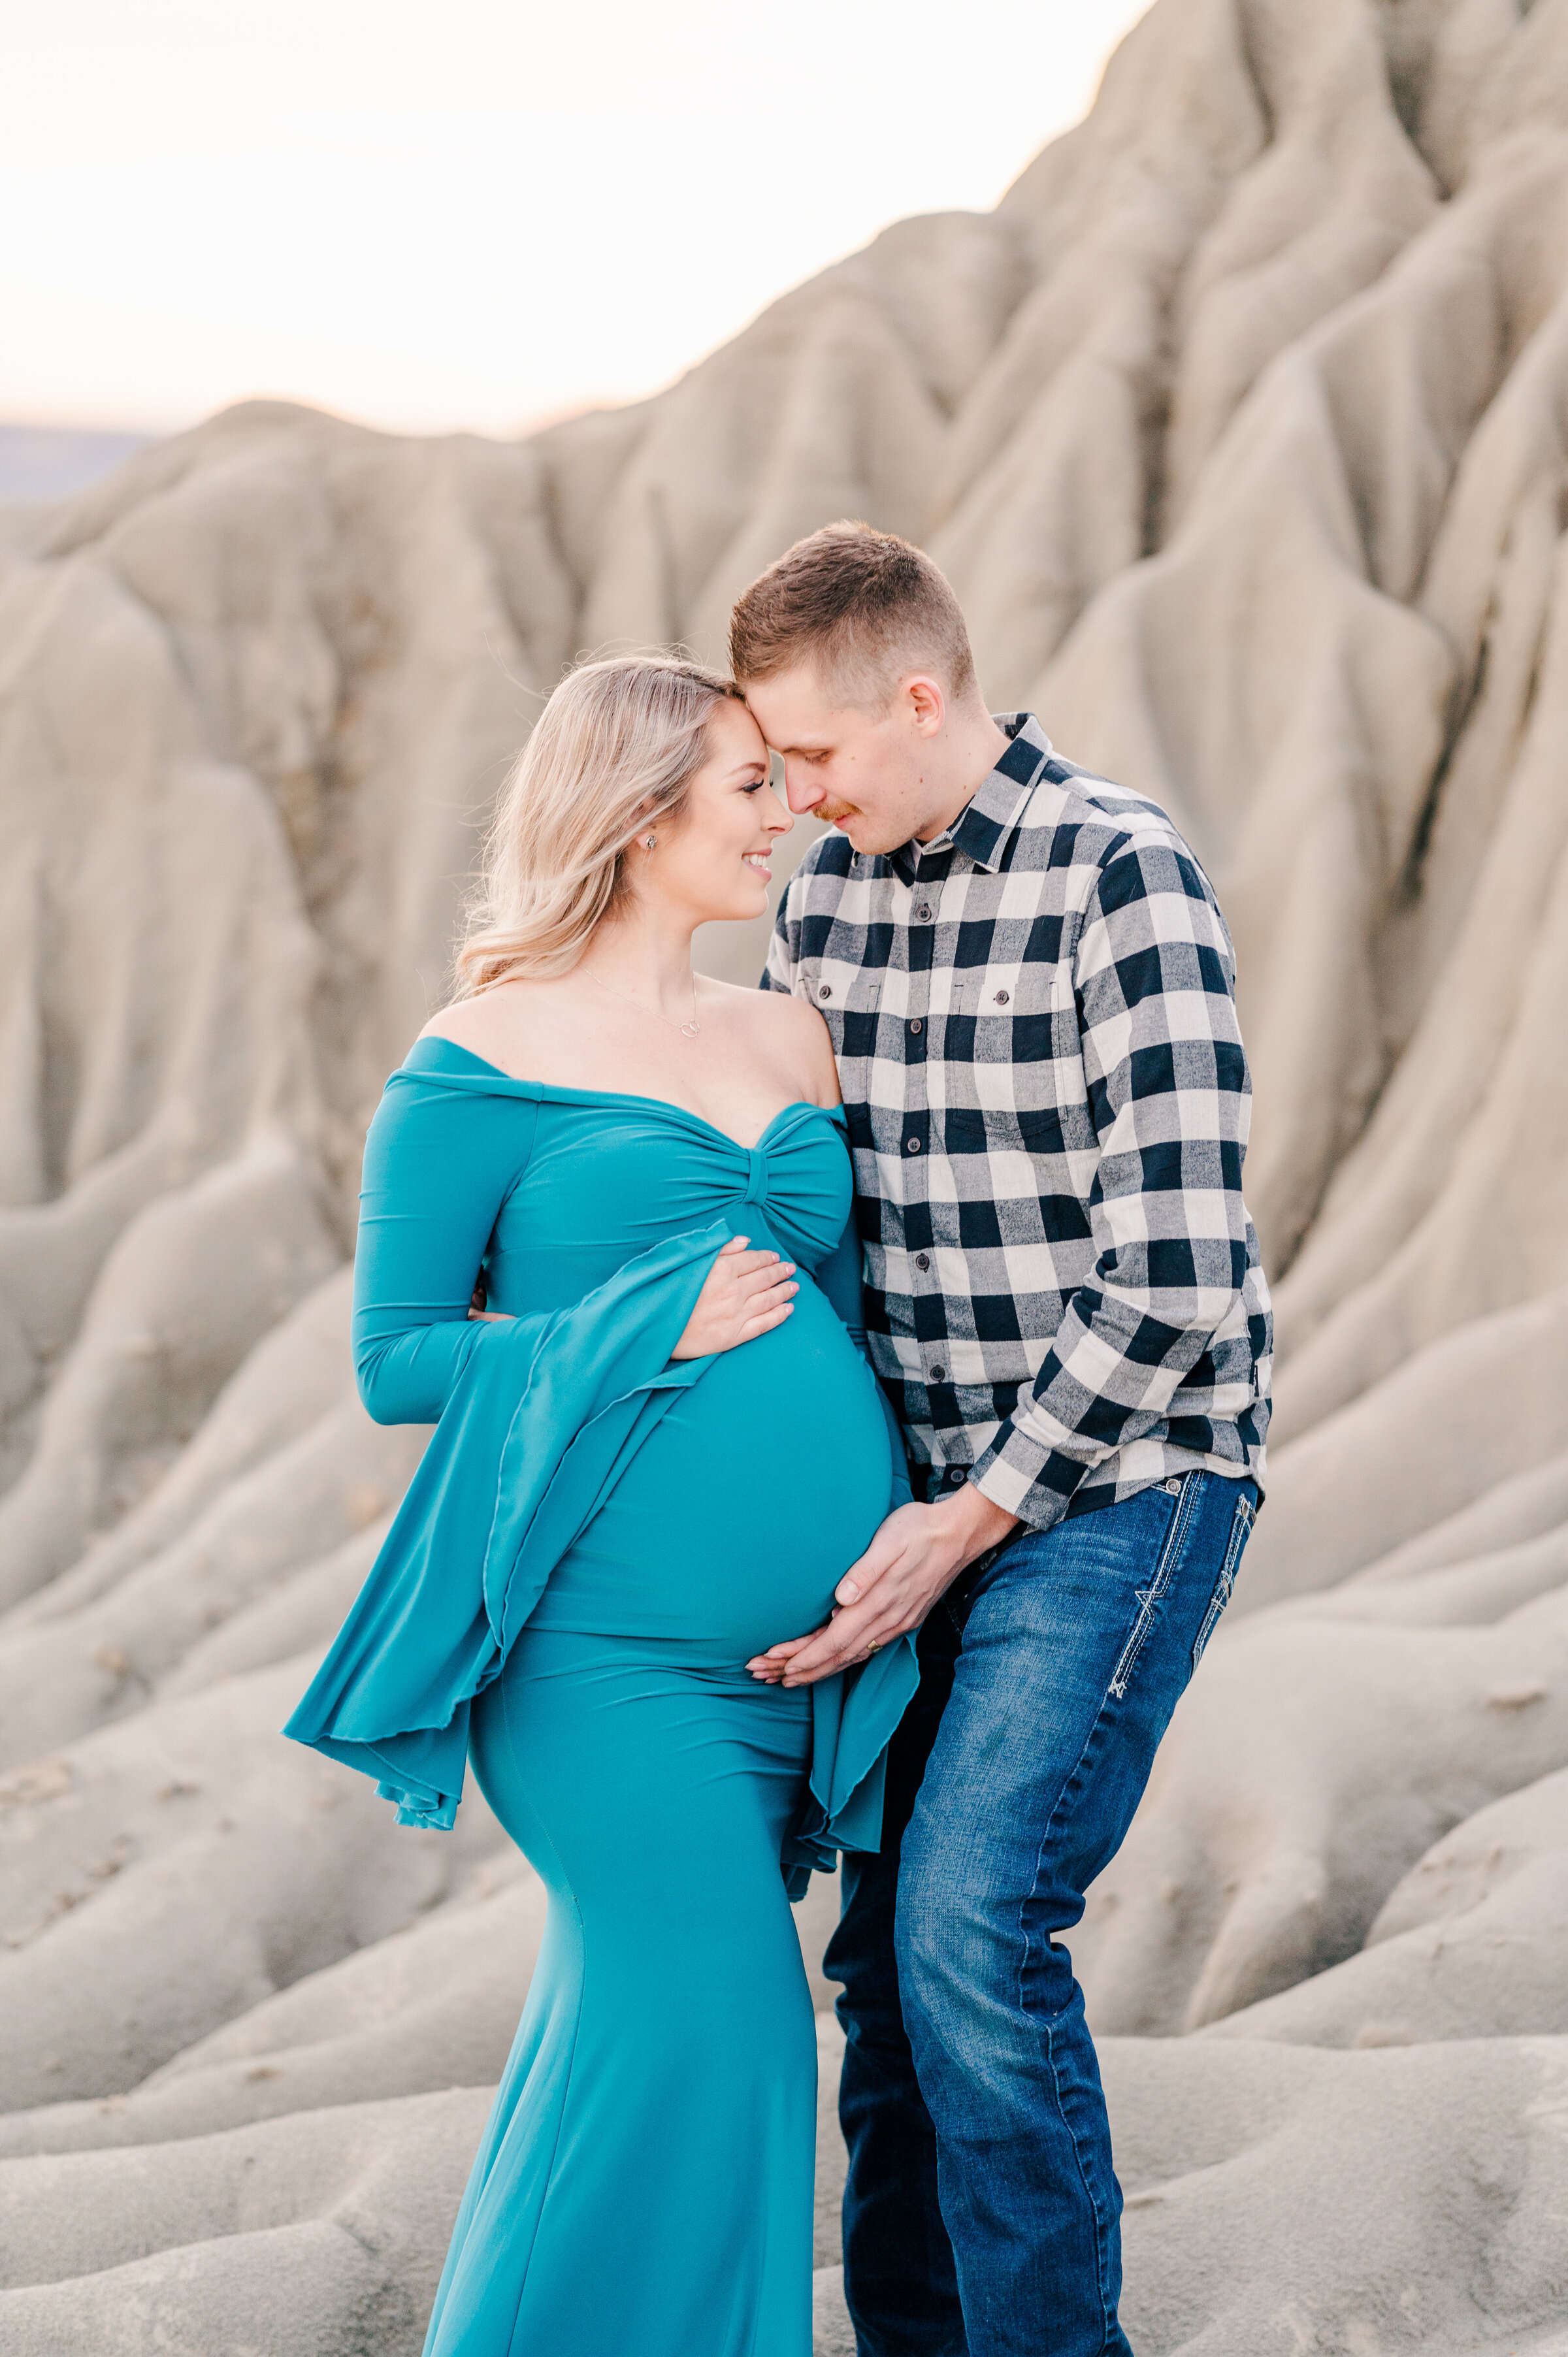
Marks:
<point>1035,1483</point>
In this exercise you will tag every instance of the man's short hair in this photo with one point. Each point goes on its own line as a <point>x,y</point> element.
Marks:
<point>864,607</point>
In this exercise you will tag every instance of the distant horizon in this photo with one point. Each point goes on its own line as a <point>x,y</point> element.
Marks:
<point>88,427</point>
<point>161,429</point>
<point>42,460</point>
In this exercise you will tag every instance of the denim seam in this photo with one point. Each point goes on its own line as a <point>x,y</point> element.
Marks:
<point>1043,2031</point>
<point>1150,1597</point>
<point>1101,2230</point>
<point>1241,1531</point>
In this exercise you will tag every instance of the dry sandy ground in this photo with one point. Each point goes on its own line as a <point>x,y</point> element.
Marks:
<point>1241,428</point>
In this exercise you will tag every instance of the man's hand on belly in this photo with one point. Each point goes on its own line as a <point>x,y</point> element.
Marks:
<point>917,1553</point>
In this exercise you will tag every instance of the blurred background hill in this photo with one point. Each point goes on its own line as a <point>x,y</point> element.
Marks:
<point>50,462</point>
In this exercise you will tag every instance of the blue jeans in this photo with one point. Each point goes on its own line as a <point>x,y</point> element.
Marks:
<point>982,2213</point>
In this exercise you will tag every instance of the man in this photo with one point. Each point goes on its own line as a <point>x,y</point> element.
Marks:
<point>1030,989</point>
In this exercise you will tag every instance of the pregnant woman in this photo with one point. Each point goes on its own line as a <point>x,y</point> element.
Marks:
<point>607,1247</point>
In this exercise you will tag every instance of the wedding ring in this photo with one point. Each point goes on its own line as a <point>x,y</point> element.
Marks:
<point>874,1645</point>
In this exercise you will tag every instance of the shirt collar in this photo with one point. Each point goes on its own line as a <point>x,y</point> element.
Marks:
<point>981,828</point>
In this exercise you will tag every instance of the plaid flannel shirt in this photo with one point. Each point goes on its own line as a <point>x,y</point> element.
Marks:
<point>1034,1022</point>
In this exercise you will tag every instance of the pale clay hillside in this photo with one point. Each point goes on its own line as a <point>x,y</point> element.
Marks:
<point>1241,428</point>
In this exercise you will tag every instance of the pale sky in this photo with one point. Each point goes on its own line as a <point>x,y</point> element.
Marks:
<point>465,213</point>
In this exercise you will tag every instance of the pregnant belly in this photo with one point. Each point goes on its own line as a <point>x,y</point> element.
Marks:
<point>745,1506</point>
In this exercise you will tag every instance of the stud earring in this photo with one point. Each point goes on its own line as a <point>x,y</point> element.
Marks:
<point>649,841</point>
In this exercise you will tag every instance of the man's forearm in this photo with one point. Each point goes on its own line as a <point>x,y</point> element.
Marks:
<point>980,1522</point>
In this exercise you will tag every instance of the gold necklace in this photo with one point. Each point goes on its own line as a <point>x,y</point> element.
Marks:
<point>688,1030</point>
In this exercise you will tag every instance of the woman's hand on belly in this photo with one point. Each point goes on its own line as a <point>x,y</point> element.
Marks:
<point>744,1294</point>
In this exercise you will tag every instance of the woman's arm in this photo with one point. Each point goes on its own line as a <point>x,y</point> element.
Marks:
<point>439,1163</point>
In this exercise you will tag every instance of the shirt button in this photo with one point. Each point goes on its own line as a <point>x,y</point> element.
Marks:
<point>924,909</point>
<point>922,1260</point>
<point>826,993</point>
<point>915,1023</point>
<point>937,1373</point>
<point>911,1145</point>
<point>1002,996</point>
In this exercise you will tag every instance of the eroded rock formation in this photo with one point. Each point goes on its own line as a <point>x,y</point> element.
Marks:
<point>1242,427</point>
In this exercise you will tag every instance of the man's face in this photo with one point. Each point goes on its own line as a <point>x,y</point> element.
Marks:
<point>864,769</point>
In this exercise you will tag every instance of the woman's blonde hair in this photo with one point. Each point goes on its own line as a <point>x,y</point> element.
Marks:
<point>614,752</point>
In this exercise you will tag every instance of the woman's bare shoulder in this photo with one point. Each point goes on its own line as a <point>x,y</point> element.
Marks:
<point>490,1023</point>
<point>791,1031</point>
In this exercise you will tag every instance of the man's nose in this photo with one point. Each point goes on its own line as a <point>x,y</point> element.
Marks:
<point>800,792</point>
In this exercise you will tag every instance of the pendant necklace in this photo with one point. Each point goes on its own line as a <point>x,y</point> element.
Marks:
<point>691,1030</point>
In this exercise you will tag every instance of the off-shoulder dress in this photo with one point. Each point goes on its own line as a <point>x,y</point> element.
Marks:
<point>595,1540</point>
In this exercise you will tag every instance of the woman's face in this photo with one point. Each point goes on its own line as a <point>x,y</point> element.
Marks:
<point>713,860</point>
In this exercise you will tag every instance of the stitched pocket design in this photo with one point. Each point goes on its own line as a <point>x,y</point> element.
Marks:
<point>1149,1597</point>
<point>1240,1529</point>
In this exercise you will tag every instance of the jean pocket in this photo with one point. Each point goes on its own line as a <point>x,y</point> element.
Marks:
<point>1241,1530</point>
<point>1185,1492</point>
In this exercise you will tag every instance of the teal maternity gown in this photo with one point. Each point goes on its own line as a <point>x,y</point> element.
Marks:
<point>595,1540</point>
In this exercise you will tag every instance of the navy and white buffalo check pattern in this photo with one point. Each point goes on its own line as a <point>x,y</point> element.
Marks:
<point>1048,1098</point>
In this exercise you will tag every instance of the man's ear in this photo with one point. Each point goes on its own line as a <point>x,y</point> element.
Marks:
<point>927,703</point>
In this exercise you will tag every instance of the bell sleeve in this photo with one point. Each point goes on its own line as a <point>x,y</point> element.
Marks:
<point>534,1418</point>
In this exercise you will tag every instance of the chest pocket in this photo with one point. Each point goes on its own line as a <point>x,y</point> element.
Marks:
<point>848,998</point>
<point>990,1129</point>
